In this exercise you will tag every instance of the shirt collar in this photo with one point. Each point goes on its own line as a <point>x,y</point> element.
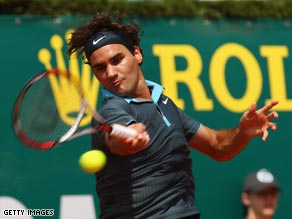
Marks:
<point>155,94</point>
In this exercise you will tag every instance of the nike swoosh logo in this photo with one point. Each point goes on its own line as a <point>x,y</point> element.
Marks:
<point>94,42</point>
<point>165,101</point>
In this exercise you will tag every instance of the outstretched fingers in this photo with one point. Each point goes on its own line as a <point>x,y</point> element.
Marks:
<point>265,135</point>
<point>252,110</point>
<point>265,132</point>
<point>272,115</point>
<point>273,126</point>
<point>269,106</point>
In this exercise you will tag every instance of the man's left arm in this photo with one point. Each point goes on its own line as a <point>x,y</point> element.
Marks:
<point>223,145</point>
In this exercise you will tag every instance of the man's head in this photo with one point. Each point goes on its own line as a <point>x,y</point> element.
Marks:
<point>111,47</point>
<point>260,194</point>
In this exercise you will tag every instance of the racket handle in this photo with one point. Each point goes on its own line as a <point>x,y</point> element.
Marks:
<point>123,131</point>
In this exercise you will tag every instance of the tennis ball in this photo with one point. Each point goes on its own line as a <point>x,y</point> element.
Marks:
<point>92,161</point>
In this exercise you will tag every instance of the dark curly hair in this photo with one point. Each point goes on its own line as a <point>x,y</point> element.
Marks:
<point>103,22</point>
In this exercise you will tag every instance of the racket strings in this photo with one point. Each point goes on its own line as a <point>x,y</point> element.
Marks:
<point>52,109</point>
<point>39,114</point>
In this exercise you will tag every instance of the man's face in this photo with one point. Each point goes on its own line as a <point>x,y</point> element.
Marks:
<point>117,69</point>
<point>263,203</point>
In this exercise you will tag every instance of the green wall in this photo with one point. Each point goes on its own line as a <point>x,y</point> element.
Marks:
<point>213,70</point>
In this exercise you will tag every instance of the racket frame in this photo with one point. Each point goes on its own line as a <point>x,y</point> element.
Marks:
<point>72,132</point>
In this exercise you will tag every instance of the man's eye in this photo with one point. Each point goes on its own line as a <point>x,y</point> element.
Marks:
<point>99,69</point>
<point>116,60</point>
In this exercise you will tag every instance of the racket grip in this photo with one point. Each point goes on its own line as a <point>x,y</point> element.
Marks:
<point>123,131</point>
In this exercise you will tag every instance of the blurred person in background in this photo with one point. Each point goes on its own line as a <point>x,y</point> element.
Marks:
<point>260,195</point>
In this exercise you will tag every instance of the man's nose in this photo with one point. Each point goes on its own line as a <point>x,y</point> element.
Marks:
<point>111,71</point>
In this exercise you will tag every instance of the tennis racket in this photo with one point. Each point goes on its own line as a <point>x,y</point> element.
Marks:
<point>44,118</point>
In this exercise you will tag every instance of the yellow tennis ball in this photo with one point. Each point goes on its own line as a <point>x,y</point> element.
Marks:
<point>92,161</point>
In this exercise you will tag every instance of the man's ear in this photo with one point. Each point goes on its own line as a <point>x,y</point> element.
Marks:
<point>245,199</point>
<point>138,54</point>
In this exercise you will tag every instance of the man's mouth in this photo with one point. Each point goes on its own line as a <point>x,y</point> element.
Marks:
<point>116,83</point>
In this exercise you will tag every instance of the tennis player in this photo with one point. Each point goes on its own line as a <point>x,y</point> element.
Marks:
<point>150,177</point>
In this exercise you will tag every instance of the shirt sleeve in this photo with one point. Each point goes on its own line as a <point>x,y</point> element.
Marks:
<point>113,110</point>
<point>190,125</point>
<point>117,110</point>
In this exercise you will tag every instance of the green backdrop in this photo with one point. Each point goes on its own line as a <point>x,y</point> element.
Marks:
<point>214,70</point>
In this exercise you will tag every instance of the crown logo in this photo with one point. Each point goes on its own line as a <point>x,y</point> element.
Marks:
<point>80,72</point>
